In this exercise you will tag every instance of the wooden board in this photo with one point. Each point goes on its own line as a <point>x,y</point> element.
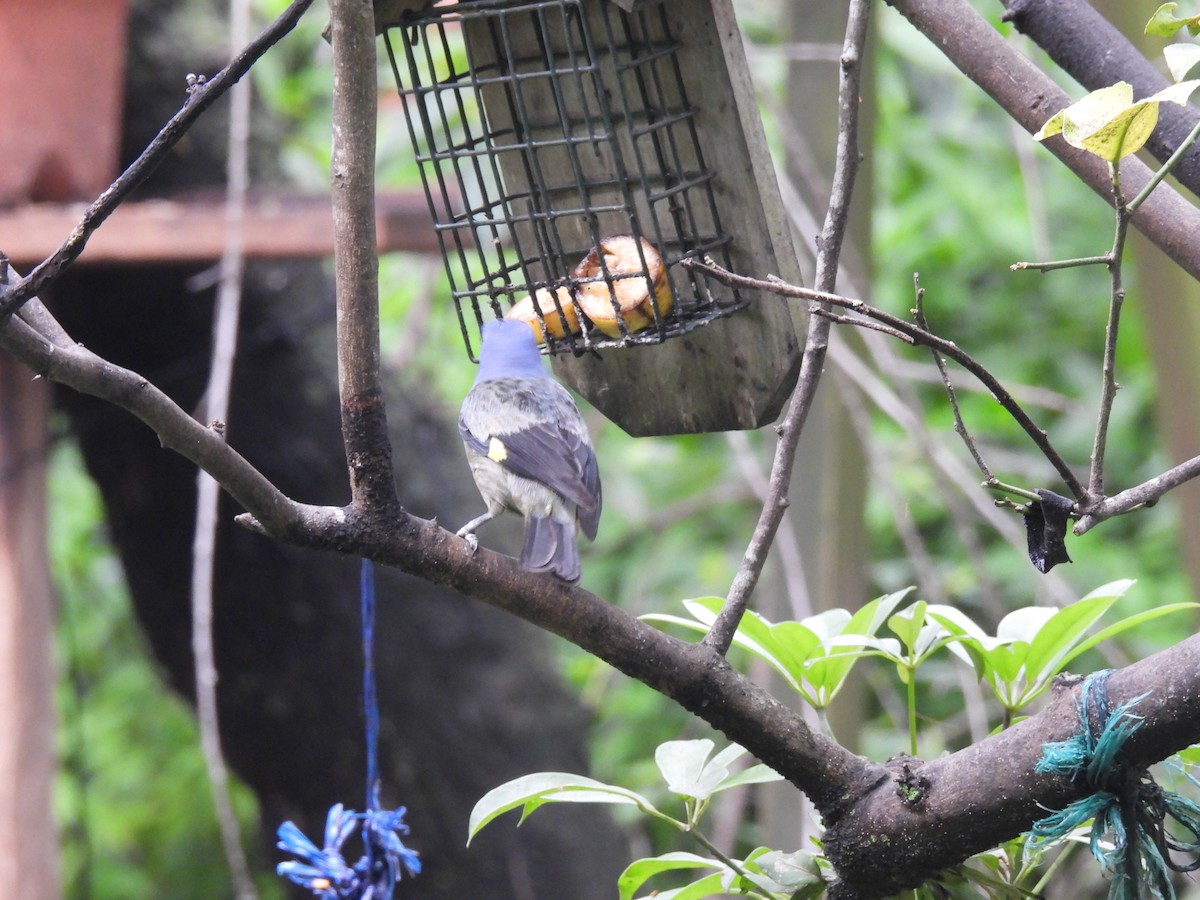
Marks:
<point>276,226</point>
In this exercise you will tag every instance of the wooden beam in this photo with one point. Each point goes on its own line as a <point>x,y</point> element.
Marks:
<point>27,675</point>
<point>193,229</point>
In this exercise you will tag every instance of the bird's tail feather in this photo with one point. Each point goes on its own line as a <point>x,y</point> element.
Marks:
<point>550,547</point>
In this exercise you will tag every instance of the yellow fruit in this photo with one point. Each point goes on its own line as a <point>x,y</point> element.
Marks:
<point>557,324</point>
<point>631,285</point>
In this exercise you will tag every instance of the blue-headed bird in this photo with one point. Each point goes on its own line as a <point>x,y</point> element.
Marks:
<point>529,451</point>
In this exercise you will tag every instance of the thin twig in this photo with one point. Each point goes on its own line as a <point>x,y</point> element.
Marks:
<point>788,541</point>
<point>1172,161</point>
<point>920,337</point>
<point>960,427</point>
<point>720,636</point>
<point>951,470</point>
<point>1060,264</point>
<point>201,95</point>
<point>1108,385</point>
<point>204,541</point>
<point>839,319</point>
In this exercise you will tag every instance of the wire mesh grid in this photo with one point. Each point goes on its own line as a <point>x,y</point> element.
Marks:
<point>561,158</point>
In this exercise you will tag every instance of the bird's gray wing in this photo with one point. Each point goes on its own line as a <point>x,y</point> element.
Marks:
<point>538,435</point>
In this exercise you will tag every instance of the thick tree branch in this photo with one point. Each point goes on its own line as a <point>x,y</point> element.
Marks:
<point>356,263</point>
<point>79,368</point>
<point>720,636</point>
<point>1089,49</point>
<point>974,798</point>
<point>201,96</point>
<point>988,793</point>
<point>694,676</point>
<point>1030,97</point>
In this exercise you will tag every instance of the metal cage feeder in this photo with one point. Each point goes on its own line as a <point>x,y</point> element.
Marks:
<point>570,173</point>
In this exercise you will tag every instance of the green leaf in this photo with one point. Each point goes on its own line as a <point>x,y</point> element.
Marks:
<point>1105,122</point>
<point>1164,22</point>
<point>828,672</point>
<point>1024,624</point>
<point>640,871</point>
<point>1124,625</point>
<point>531,791</point>
<point>684,767</point>
<point>1005,662</point>
<point>1181,59</point>
<point>1061,632</point>
<point>790,871</point>
<point>759,773</point>
<point>907,624</point>
<point>708,886</point>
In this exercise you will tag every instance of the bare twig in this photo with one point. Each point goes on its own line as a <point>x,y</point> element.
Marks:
<point>960,427</point>
<point>953,471</point>
<point>204,541</point>
<point>1144,494</point>
<point>923,338</point>
<point>859,322</point>
<point>1054,264</point>
<point>356,262</point>
<point>1027,94</point>
<point>720,636</point>
<point>201,95</point>
<point>788,541</point>
<point>1108,385</point>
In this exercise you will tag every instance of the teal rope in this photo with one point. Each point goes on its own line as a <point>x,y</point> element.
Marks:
<point>1125,803</point>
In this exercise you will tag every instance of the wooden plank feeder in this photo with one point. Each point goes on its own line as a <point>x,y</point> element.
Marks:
<point>574,154</point>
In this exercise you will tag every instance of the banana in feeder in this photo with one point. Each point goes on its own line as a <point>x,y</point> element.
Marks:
<point>631,285</point>
<point>559,325</point>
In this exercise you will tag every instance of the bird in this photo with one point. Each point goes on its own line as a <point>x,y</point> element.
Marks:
<point>529,451</point>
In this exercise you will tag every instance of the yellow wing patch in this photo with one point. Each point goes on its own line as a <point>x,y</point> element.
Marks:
<point>496,450</point>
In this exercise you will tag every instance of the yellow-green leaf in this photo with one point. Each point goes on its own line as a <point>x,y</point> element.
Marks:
<point>1181,58</point>
<point>1178,93</point>
<point>1053,126</point>
<point>1122,135</point>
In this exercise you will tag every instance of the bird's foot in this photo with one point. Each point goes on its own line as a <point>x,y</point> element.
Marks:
<point>471,538</point>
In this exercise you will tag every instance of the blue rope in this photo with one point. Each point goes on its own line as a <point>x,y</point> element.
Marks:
<point>1124,803</point>
<point>323,870</point>
<point>370,701</point>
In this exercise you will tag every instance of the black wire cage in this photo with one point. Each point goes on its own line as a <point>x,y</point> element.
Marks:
<point>561,158</point>
<point>575,154</point>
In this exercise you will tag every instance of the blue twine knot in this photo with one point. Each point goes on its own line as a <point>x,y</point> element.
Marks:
<point>1125,803</point>
<point>323,870</point>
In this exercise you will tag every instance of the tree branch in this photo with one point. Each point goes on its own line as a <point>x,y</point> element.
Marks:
<point>1030,97</point>
<point>356,263</point>
<point>916,335</point>
<point>976,797</point>
<point>73,365</point>
<point>1144,494</point>
<point>1093,52</point>
<point>1116,300</point>
<point>989,792</point>
<point>201,95</point>
<point>720,636</point>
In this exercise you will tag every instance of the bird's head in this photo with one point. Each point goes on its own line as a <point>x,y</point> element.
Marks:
<point>508,350</point>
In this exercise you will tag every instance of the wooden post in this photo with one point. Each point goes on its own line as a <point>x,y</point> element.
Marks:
<point>27,758</point>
